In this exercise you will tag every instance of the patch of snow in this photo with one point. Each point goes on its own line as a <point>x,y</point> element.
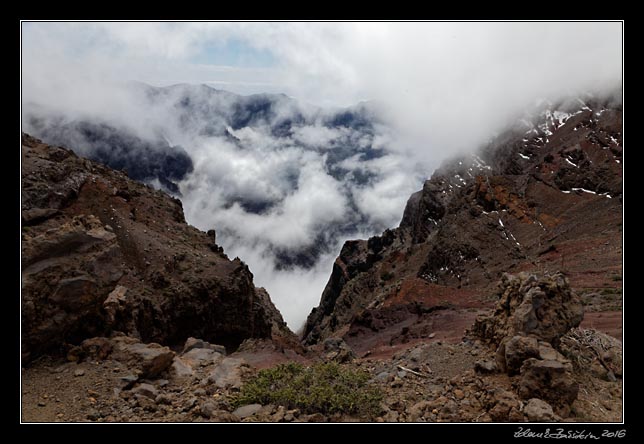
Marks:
<point>501,223</point>
<point>565,192</point>
<point>584,190</point>
<point>514,239</point>
<point>568,160</point>
<point>617,161</point>
<point>523,156</point>
<point>536,221</point>
<point>561,117</point>
<point>584,106</point>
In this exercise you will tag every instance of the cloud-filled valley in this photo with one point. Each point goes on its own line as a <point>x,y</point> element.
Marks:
<point>372,109</point>
<point>283,184</point>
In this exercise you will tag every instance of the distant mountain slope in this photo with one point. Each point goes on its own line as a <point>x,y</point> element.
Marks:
<point>545,195</point>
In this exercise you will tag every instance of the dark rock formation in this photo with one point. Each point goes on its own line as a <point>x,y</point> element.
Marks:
<point>102,253</point>
<point>531,316</point>
<point>530,308</point>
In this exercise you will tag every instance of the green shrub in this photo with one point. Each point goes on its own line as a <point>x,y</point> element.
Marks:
<point>324,388</point>
<point>616,278</point>
<point>386,275</point>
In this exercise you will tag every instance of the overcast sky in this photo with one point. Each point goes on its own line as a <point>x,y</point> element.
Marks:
<point>446,87</point>
<point>434,77</point>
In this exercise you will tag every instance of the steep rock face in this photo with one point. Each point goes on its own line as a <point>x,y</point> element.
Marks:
<point>102,253</point>
<point>543,196</point>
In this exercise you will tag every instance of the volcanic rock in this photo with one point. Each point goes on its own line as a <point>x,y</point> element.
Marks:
<point>102,253</point>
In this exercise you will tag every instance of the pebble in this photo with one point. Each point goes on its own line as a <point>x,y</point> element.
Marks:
<point>383,376</point>
<point>41,403</point>
<point>79,372</point>
<point>247,410</point>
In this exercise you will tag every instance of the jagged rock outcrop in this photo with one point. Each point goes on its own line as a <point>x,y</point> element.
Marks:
<point>533,309</point>
<point>543,196</point>
<point>102,253</point>
<point>531,316</point>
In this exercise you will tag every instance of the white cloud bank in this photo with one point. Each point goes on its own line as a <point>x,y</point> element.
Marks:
<point>444,87</point>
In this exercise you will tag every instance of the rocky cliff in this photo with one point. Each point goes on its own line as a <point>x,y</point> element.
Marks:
<point>546,195</point>
<point>102,253</point>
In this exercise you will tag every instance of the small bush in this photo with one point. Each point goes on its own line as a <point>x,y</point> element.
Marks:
<point>616,278</point>
<point>386,275</point>
<point>323,388</point>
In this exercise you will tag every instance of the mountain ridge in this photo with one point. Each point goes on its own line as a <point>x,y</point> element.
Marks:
<point>526,201</point>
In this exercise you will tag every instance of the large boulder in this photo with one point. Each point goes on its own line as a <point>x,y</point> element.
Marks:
<point>541,307</point>
<point>227,374</point>
<point>531,317</point>
<point>147,360</point>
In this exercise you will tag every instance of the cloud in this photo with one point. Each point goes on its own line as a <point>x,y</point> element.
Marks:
<point>439,88</point>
